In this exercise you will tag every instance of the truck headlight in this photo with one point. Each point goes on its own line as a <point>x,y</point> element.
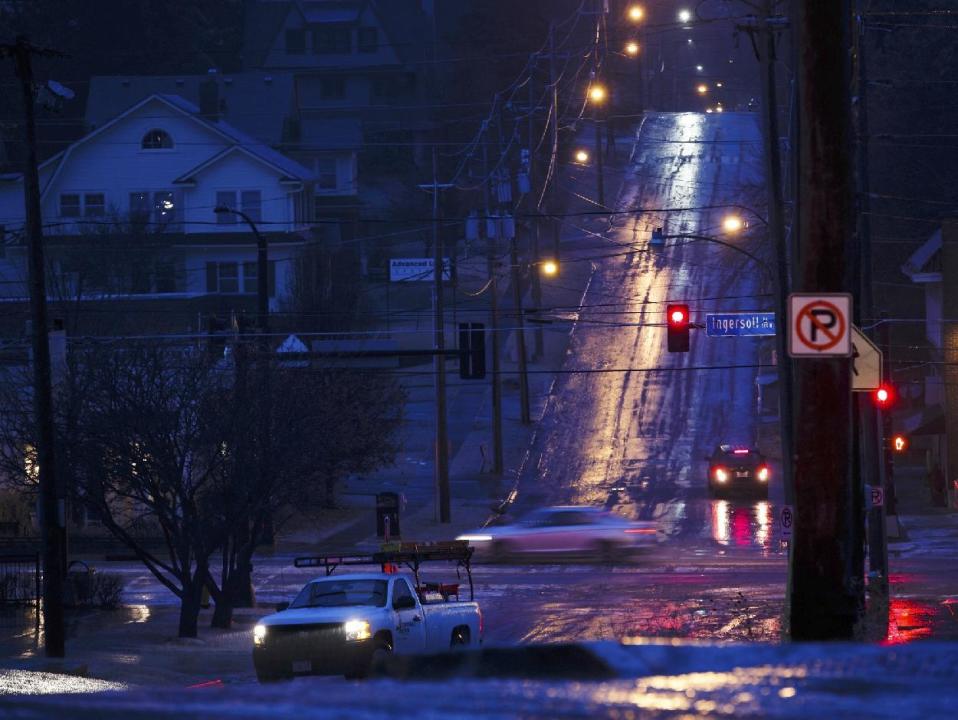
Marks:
<point>259,635</point>
<point>357,630</point>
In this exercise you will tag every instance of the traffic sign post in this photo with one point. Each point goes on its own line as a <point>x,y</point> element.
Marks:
<point>866,363</point>
<point>819,325</point>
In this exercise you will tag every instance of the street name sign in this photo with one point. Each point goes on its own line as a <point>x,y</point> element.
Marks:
<point>819,325</point>
<point>866,363</point>
<point>416,269</point>
<point>741,324</point>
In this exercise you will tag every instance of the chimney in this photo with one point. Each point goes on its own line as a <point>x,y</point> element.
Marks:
<point>210,99</point>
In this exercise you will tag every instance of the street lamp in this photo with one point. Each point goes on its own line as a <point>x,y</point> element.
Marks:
<point>582,157</point>
<point>632,49</point>
<point>262,258</point>
<point>733,223</point>
<point>685,16</point>
<point>636,13</point>
<point>597,94</point>
<point>699,68</point>
<point>549,267</point>
<point>702,89</point>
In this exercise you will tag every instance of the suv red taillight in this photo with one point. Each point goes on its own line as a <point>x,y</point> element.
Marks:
<point>720,474</point>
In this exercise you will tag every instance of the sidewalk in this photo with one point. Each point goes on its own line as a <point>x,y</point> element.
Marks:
<point>928,529</point>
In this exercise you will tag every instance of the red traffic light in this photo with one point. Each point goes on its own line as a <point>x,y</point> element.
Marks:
<point>677,317</point>
<point>884,396</point>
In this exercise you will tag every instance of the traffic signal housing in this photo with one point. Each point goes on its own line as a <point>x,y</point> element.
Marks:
<point>677,321</point>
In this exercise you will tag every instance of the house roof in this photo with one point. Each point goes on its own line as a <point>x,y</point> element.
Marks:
<point>290,168</point>
<point>924,265</point>
<point>257,102</point>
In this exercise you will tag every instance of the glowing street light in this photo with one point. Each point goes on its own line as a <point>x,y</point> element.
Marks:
<point>718,84</point>
<point>636,13</point>
<point>632,49</point>
<point>597,94</point>
<point>699,68</point>
<point>582,157</point>
<point>685,16</point>
<point>702,89</point>
<point>549,267</point>
<point>732,223</point>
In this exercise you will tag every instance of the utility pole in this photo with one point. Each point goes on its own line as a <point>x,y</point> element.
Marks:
<point>443,513</point>
<point>517,302</point>
<point>596,104</point>
<point>826,584</point>
<point>498,465</point>
<point>533,203</point>
<point>52,513</point>
<point>871,431</point>
<point>554,162</point>
<point>767,54</point>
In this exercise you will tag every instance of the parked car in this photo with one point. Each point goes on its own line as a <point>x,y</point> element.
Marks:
<point>565,529</point>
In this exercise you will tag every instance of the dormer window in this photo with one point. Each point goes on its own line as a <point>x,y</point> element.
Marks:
<point>157,139</point>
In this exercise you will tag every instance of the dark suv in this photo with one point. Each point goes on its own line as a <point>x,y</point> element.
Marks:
<point>737,469</point>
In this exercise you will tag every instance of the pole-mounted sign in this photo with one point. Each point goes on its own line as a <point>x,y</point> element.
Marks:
<point>819,325</point>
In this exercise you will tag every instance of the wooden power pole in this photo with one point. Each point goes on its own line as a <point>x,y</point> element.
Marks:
<point>826,594</point>
<point>51,515</point>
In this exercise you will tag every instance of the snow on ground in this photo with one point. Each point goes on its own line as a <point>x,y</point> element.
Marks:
<point>665,681</point>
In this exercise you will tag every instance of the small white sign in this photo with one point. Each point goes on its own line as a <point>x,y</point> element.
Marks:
<point>866,363</point>
<point>417,269</point>
<point>786,519</point>
<point>819,325</point>
<point>874,495</point>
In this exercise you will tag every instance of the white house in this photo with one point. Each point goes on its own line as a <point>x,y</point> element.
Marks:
<point>128,210</point>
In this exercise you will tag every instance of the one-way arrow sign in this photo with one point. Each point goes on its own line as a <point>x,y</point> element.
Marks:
<point>866,363</point>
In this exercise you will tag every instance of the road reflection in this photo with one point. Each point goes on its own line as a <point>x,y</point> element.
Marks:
<point>741,525</point>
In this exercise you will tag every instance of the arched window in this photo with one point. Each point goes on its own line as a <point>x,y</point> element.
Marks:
<point>157,139</point>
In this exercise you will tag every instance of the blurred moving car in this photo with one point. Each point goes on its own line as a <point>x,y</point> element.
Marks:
<point>565,529</point>
<point>735,469</point>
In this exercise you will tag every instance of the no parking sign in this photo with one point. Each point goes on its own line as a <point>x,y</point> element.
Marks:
<point>820,325</point>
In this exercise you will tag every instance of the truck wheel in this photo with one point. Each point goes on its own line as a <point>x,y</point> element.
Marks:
<point>460,638</point>
<point>380,652</point>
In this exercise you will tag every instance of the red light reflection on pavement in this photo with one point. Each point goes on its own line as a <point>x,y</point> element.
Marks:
<point>908,620</point>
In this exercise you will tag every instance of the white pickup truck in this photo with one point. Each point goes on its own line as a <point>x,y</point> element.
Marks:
<point>338,625</point>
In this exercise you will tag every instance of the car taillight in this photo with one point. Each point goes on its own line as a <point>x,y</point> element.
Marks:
<point>764,473</point>
<point>720,474</point>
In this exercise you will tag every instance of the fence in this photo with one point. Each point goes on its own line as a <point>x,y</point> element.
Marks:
<point>20,581</point>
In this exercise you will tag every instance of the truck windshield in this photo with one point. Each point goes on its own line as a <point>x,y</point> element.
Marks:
<point>341,593</point>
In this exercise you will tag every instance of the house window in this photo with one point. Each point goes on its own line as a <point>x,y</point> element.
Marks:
<point>227,277</point>
<point>156,139</point>
<point>296,42</point>
<point>164,208</point>
<point>252,204</point>
<point>70,205</point>
<point>140,207</point>
<point>158,208</point>
<point>326,178</point>
<point>333,88</point>
<point>94,205</point>
<point>226,198</point>
<point>251,276</point>
<point>332,40</point>
<point>367,39</point>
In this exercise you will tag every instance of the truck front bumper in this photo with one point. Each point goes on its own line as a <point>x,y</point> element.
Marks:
<point>310,651</point>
